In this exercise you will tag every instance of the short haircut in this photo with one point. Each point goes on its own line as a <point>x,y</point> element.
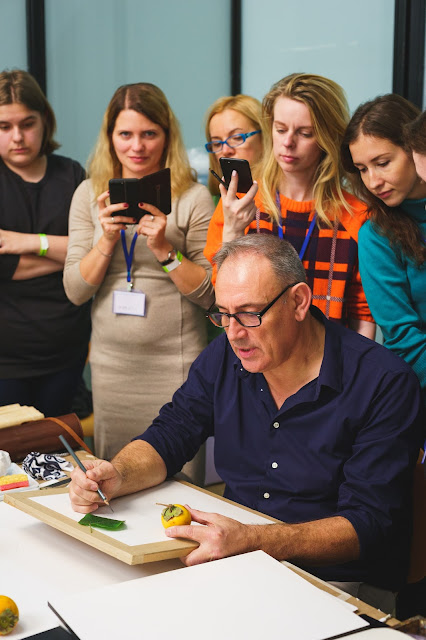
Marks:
<point>281,254</point>
<point>415,134</point>
<point>19,87</point>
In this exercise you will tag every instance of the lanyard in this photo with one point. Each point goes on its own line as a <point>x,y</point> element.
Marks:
<point>128,255</point>
<point>308,235</point>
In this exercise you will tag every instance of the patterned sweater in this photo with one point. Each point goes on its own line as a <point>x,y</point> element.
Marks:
<point>330,259</point>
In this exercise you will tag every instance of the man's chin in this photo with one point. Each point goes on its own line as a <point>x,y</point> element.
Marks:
<point>248,358</point>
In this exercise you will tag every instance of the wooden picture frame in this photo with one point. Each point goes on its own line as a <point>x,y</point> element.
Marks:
<point>130,554</point>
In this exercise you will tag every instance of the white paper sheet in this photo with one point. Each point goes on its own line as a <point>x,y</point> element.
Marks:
<point>143,515</point>
<point>250,596</point>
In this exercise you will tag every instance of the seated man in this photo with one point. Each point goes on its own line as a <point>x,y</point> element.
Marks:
<point>314,425</point>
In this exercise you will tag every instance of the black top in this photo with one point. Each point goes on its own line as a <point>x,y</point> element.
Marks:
<point>41,331</point>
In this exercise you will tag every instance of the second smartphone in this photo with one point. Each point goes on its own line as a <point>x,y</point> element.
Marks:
<point>242,167</point>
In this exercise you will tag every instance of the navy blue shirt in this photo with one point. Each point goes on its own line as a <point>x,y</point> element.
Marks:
<point>344,445</point>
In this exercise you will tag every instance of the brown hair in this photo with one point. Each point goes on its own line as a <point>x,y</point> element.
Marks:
<point>150,101</point>
<point>329,113</point>
<point>384,117</point>
<point>20,87</point>
<point>415,134</point>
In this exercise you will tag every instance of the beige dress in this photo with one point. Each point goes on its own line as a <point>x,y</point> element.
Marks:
<point>138,362</point>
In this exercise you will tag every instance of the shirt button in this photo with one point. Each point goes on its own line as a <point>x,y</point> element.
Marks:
<point>274,465</point>
<point>276,425</point>
<point>266,495</point>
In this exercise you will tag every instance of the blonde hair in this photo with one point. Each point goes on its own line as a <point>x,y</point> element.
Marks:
<point>150,101</point>
<point>329,113</point>
<point>245,105</point>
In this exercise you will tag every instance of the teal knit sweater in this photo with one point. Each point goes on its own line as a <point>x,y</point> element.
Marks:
<point>396,291</point>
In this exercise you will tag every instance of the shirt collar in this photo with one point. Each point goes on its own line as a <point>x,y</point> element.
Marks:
<point>330,374</point>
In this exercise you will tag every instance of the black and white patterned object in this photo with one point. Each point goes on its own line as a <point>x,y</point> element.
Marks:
<point>45,466</point>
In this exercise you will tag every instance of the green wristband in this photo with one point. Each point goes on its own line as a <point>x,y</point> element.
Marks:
<point>44,244</point>
<point>172,265</point>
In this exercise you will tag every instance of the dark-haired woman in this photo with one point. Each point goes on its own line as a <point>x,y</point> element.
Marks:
<point>43,337</point>
<point>392,243</point>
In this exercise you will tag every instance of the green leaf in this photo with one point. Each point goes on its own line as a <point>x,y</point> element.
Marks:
<point>172,511</point>
<point>90,520</point>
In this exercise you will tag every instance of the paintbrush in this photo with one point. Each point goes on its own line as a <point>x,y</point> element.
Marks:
<point>82,467</point>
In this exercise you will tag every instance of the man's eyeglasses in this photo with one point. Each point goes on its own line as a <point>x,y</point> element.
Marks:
<point>233,141</point>
<point>245,318</point>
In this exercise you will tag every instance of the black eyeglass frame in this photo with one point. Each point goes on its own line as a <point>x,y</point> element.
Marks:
<point>257,314</point>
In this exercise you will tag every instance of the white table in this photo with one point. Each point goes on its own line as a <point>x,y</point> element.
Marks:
<point>36,561</point>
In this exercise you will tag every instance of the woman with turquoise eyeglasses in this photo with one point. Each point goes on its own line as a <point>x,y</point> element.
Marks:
<point>233,130</point>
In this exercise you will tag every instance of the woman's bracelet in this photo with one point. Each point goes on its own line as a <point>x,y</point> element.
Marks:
<point>107,255</point>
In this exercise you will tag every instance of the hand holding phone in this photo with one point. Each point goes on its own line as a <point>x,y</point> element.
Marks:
<point>219,179</point>
<point>126,190</point>
<point>237,214</point>
<point>153,189</point>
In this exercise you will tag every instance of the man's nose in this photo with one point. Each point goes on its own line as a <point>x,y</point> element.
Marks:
<point>235,329</point>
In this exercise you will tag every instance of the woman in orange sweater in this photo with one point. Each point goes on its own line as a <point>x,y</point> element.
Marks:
<point>300,196</point>
<point>233,130</point>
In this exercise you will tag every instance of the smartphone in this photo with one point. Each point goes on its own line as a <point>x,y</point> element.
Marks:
<point>242,167</point>
<point>153,189</point>
<point>126,190</point>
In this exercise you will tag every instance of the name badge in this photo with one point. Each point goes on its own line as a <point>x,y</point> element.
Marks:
<point>129,303</point>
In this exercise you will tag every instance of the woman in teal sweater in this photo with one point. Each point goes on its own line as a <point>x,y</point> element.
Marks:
<point>392,243</point>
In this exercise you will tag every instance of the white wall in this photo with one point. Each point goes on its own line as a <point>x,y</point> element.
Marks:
<point>94,46</point>
<point>349,42</point>
<point>13,47</point>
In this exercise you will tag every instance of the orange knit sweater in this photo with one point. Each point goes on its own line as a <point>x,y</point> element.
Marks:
<point>331,257</point>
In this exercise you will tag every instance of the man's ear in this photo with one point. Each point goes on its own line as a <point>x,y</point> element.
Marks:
<point>302,296</point>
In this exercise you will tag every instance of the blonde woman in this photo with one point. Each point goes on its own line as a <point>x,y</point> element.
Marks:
<point>301,197</point>
<point>143,340</point>
<point>233,130</point>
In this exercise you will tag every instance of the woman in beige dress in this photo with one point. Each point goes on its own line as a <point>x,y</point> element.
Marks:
<point>143,341</point>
